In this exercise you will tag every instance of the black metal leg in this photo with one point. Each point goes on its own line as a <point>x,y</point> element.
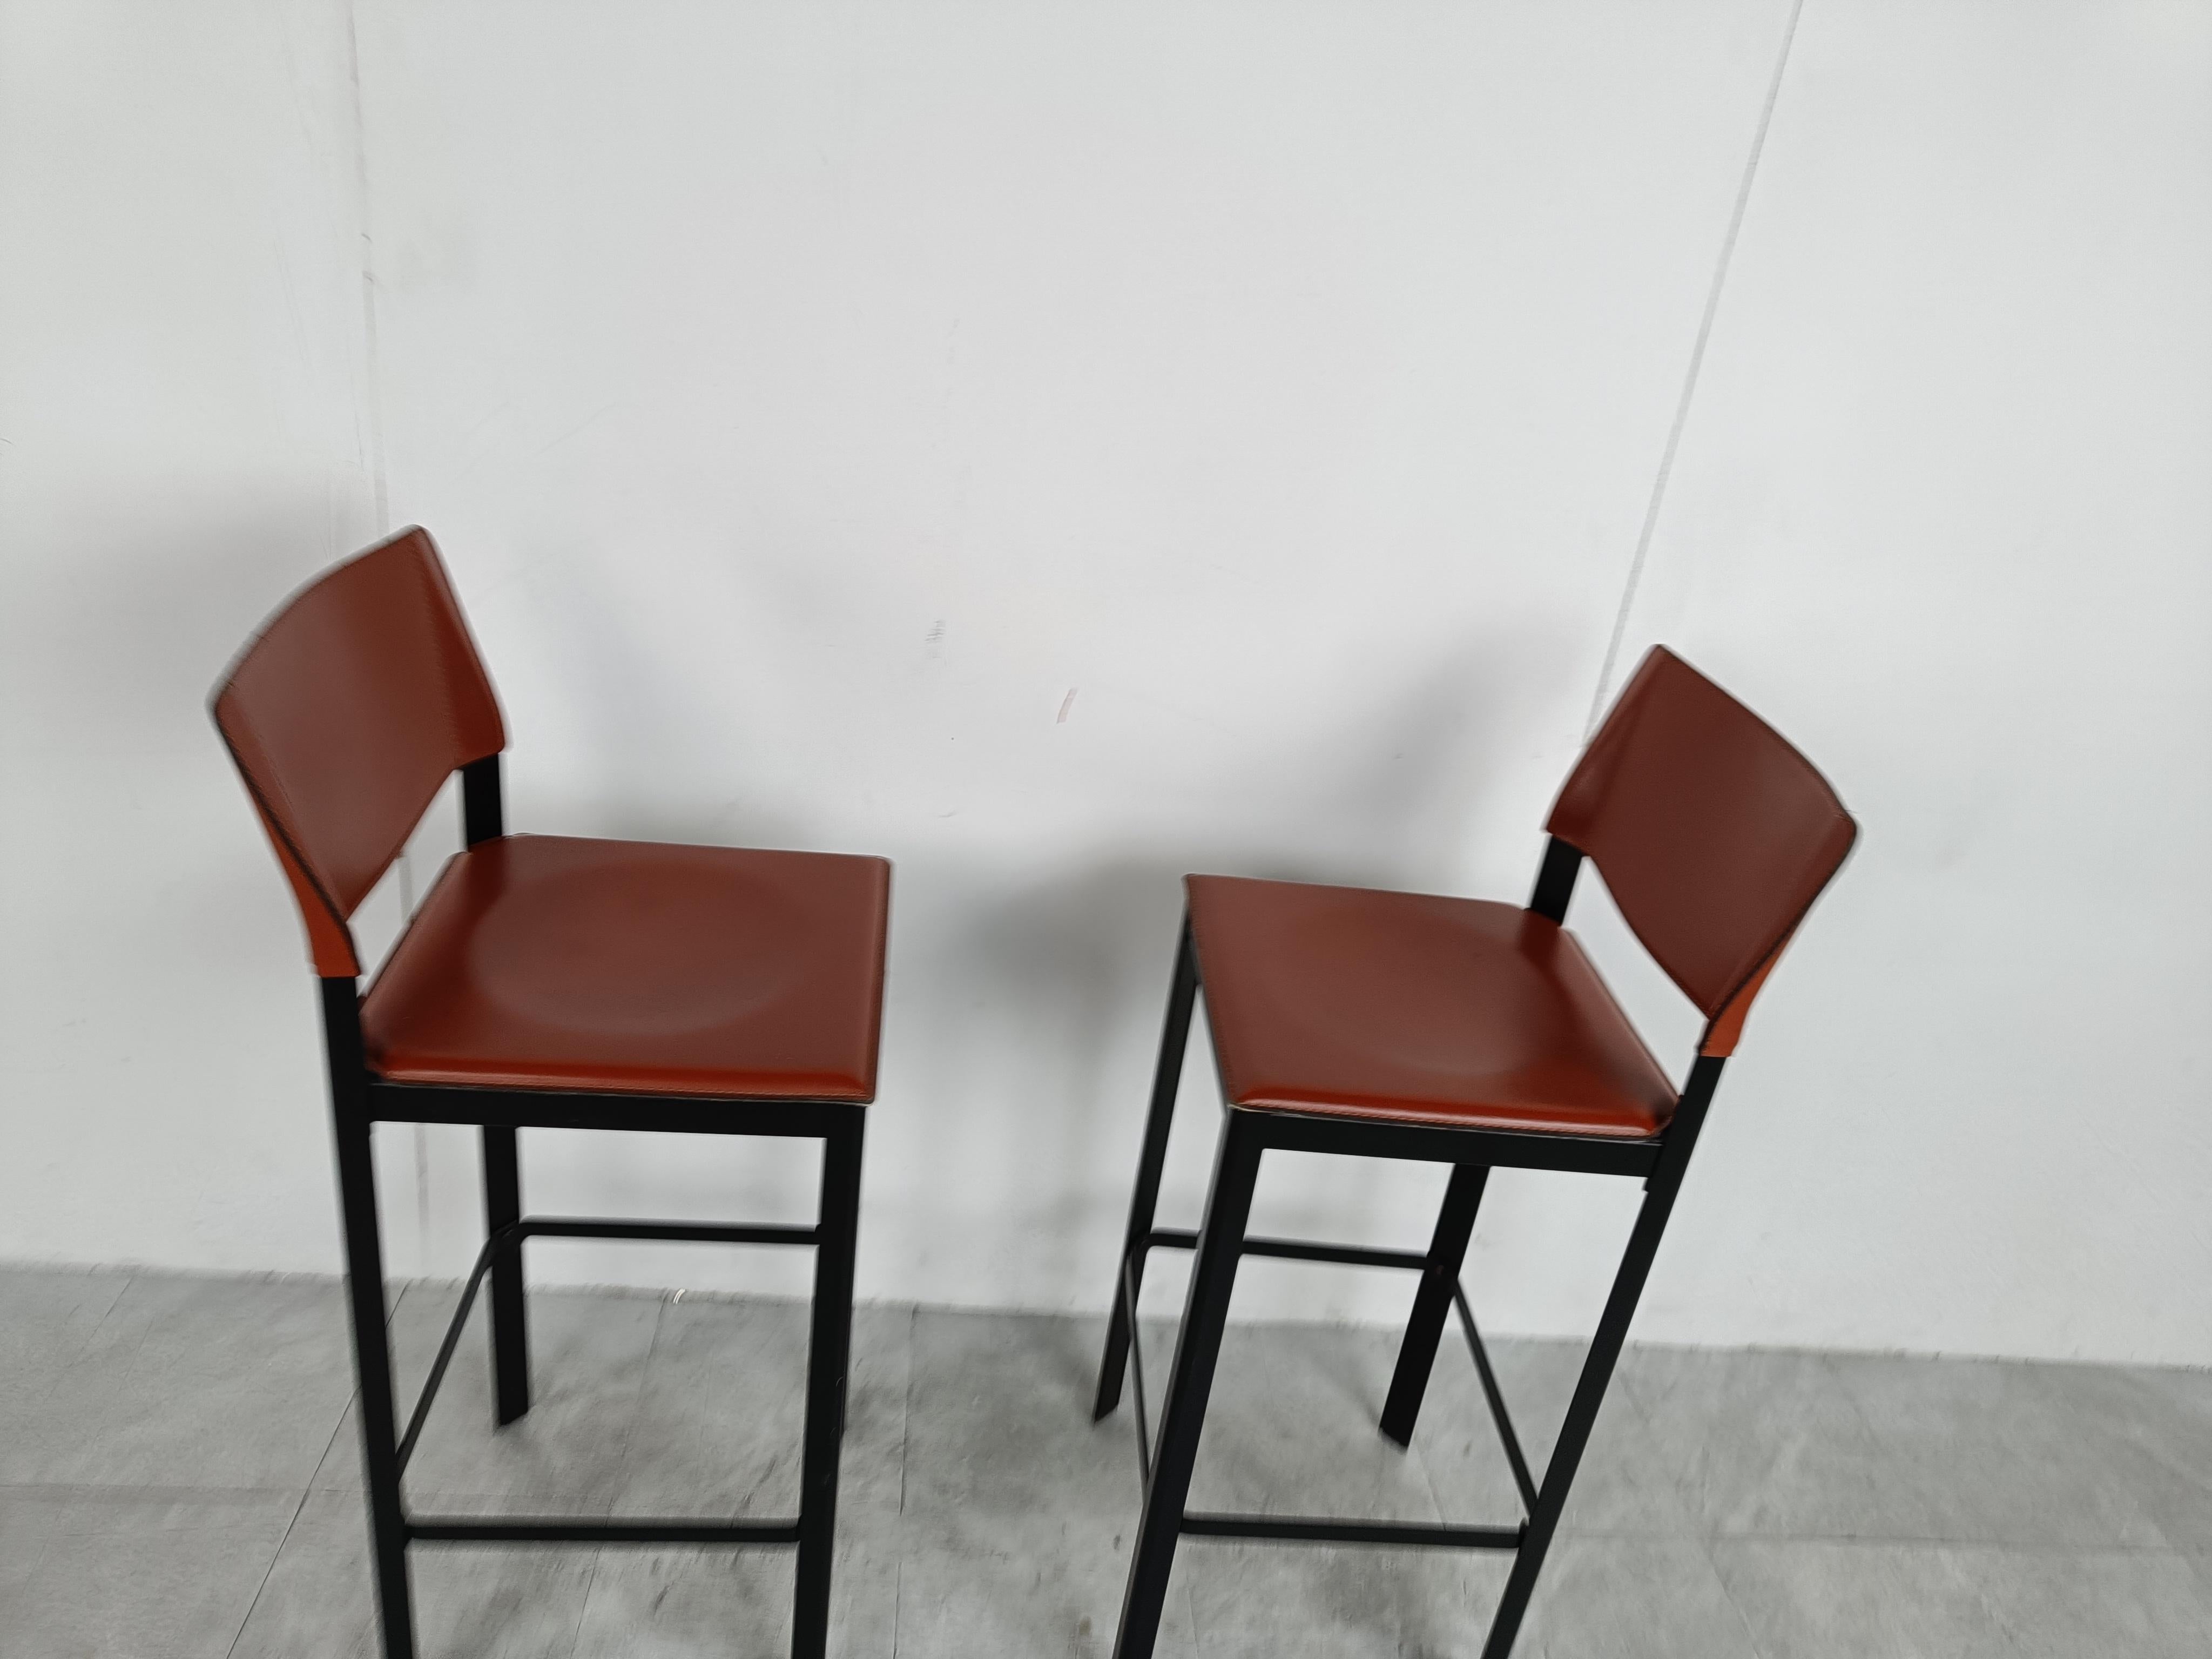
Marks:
<point>828,1359</point>
<point>1432,1302</point>
<point>380,1432</point>
<point>1174,1039</point>
<point>1659,1190</point>
<point>1221,1240</point>
<point>510,1337</point>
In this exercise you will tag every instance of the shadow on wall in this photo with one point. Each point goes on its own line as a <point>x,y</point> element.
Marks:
<point>1027,1009</point>
<point>152,623</point>
<point>137,632</point>
<point>669,738</point>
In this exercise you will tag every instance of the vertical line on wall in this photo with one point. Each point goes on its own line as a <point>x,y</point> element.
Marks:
<point>1690,377</point>
<point>372,360</point>
<point>379,486</point>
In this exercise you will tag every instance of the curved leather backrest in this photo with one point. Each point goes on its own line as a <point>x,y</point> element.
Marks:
<point>345,714</point>
<point>1713,835</point>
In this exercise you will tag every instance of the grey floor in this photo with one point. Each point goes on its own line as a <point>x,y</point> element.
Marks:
<point>179,1476</point>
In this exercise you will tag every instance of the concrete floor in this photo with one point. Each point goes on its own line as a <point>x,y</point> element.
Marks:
<point>178,1477</point>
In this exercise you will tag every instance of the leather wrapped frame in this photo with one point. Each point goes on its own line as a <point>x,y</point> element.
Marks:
<point>1714,834</point>
<point>345,713</point>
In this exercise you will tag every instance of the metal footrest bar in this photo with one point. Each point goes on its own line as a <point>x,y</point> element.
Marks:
<point>509,1237</point>
<point>502,1240</point>
<point>554,1530</point>
<point>702,1232</point>
<point>1298,1249</point>
<point>1506,1438</point>
<point>1329,1530</point>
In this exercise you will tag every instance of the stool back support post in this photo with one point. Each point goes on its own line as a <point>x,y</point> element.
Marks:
<point>380,1427</point>
<point>1144,1200</point>
<point>1660,1188</point>
<point>1555,880</point>
<point>483,817</point>
<point>483,807</point>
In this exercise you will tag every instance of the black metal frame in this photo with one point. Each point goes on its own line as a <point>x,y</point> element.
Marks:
<point>361,1100</point>
<point>1221,1241</point>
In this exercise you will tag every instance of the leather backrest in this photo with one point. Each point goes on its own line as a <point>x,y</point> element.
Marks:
<point>345,714</point>
<point>1713,835</point>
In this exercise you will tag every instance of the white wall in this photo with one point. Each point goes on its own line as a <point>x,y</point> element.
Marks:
<point>815,402</point>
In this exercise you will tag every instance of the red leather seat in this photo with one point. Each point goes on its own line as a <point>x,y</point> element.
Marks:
<point>541,962</point>
<point>1415,1009</point>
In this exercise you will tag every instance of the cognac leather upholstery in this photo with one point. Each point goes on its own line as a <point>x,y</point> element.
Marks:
<point>1456,1012</point>
<point>540,962</point>
<point>534,961</point>
<point>1713,835</point>
<point>345,715</point>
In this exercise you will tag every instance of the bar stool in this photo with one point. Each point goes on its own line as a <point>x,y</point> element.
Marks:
<point>553,982</point>
<point>1459,1031</point>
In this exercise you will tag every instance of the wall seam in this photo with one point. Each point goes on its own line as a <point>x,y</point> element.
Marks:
<point>380,485</point>
<point>371,357</point>
<point>1690,377</point>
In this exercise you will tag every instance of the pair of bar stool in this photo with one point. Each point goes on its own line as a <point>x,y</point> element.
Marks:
<point>546,981</point>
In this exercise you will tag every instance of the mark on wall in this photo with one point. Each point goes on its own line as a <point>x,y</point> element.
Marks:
<point>1690,375</point>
